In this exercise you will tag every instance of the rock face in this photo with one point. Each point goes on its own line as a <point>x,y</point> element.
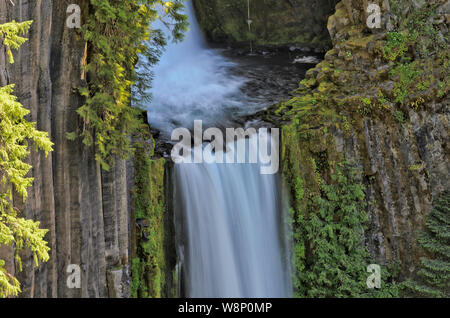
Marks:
<point>354,107</point>
<point>274,22</point>
<point>85,209</point>
<point>403,162</point>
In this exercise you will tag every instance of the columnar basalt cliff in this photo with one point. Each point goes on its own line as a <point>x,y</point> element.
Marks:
<point>85,209</point>
<point>380,101</point>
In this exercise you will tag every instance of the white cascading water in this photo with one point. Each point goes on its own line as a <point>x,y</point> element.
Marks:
<point>232,244</point>
<point>232,219</point>
<point>192,82</point>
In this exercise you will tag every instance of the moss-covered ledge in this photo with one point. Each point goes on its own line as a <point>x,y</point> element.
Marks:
<point>152,265</point>
<point>378,101</point>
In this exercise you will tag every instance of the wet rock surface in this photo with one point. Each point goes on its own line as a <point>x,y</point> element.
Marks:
<point>272,76</point>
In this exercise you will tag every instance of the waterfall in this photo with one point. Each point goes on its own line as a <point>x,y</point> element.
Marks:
<point>232,219</point>
<point>192,82</point>
<point>230,242</point>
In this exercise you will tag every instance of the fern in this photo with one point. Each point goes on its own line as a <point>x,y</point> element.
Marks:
<point>330,254</point>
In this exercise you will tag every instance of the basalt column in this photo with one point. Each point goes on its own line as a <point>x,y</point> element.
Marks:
<point>85,209</point>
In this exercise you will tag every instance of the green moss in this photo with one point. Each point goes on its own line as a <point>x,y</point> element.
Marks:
<point>415,167</point>
<point>148,268</point>
<point>359,43</point>
<point>326,87</point>
<point>337,95</point>
<point>308,83</point>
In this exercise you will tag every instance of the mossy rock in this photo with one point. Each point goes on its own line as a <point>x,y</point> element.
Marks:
<point>274,22</point>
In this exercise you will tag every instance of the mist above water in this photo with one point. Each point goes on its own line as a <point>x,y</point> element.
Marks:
<point>193,82</point>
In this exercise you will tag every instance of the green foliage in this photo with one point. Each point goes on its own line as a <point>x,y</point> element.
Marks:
<point>346,124</point>
<point>136,283</point>
<point>443,89</point>
<point>10,35</point>
<point>399,116</point>
<point>366,101</point>
<point>330,254</point>
<point>148,269</point>
<point>365,108</point>
<point>120,36</point>
<point>407,75</point>
<point>396,46</point>
<point>433,279</point>
<point>426,35</point>
<point>327,265</point>
<point>423,32</point>
<point>416,71</point>
<point>15,132</point>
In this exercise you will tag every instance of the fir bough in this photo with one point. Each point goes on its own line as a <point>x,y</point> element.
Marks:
<point>433,279</point>
<point>15,133</point>
<point>10,34</point>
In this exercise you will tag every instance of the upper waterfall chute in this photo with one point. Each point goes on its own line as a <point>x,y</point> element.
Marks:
<point>193,82</point>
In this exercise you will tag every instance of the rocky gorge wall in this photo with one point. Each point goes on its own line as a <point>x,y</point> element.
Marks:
<point>274,22</point>
<point>382,105</point>
<point>353,106</point>
<point>86,210</point>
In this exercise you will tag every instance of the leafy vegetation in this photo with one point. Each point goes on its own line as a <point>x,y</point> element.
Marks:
<point>426,36</point>
<point>148,268</point>
<point>119,35</point>
<point>407,75</point>
<point>10,34</point>
<point>330,254</point>
<point>433,279</point>
<point>396,46</point>
<point>15,133</point>
<point>414,74</point>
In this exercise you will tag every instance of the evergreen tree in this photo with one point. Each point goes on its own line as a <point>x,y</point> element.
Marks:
<point>15,132</point>
<point>120,37</point>
<point>433,279</point>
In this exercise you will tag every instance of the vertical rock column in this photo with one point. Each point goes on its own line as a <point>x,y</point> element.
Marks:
<point>84,208</point>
